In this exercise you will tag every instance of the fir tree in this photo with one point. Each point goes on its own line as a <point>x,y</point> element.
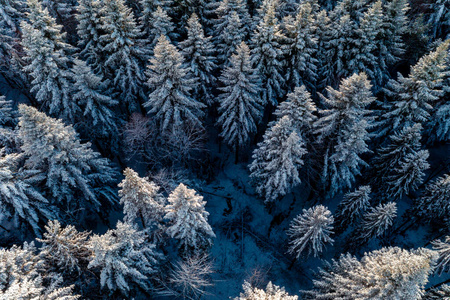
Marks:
<point>402,143</point>
<point>229,38</point>
<point>48,62</point>
<point>352,206</point>
<point>301,47</point>
<point>141,200</point>
<point>159,24</point>
<point>240,105</point>
<point>376,221</point>
<point>277,161</point>
<point>65,247</point>
<point>188,219</point>
<point>441,293</point>
<point>89,31</point>
<point>343,127</point>
<point>300,108</point>
<point>90,91</point>
<point>413,96</point>
<point>8,121</point>
<point>310,231</point>
<point>73,176</point>
<point>272,291</point>
<point>389,273</point>
<point>171,84</point>
<point>435,199</point>
<point>443,250</point>
<point>409,175</point>
<point>123,257</point>
<point>199,55</point>
<point>125,51</point>
<point>224,12</point>
<point>267,56</point>
<point>147,9</point>
<point>19,199</point>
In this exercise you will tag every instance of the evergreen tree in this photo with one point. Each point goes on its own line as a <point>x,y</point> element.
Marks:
<point>159,24</point>
<point>277,161</point>
<point>376,221</point>
<point>352,206</point>
<point>224,12</point>
<point>301,47</point>
<point>89,31</point>
<point>441,293</point>
<point>8,121</point>
<point>310,231</point>
<point>229,38</point>
<point>147,9</point>
<point>240,106</point>
<point>65,247</point>
<point>141,200</point>
<point>267,56</point>
<point>443,250</point>
<point>435,199</point>
<point>300,108</point>
<point>439,18</point>
<point>199,55</point>
<point>171,84</point>
<point>272,291</point>
<point>73,176</point>
<point>409,175</point>
<point>90,91</point>
<point>413,96</point>
<point>402,143</point>
<point>343,128</point>
<point>188,219</point>
<point>48,62</point>
<point>125,51</point>
<point>19,199</point>
<point>123,257</point>
<point>389,273</point>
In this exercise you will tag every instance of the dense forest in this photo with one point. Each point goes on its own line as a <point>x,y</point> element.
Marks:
<point>225,149</point>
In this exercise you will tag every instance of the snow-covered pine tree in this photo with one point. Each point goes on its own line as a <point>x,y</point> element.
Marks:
<point>443,250</point>
<point>142,202</point>
<point>123,257</point>
<point>439,19</point>
<point>352,206</point>
<point>124,48</point>
<point>171,85</point>
<point>8,121</point>
<point>376,222</point>
<point>91,93</point>
<point>159,24</point>
<point>409,174</point>
<point>310,231</point>
<point>300,47</point>
<point>188,219</point>
<point>228,39</point>
<point>267,56</point>
<point>199,55</point>
<point>300,108</point>
<point>403,142</point>
<point>19,199</point>
<point>390,44</point>
<point>89,29</point>
<point>272,291</point>
<point>65,248</point>
<point>147,9</point>
<point>48,62</point>
<point>343,128</point>
<point>368,43</point>
<point>434,202</point>
<point>439,293</point>
<point>389,273</point>
<point>413,96</point>
<point>240,105</point>
<point>73,176</point>
<point>224,12</point>
<point>23,276</point>
<point>277,160</point>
